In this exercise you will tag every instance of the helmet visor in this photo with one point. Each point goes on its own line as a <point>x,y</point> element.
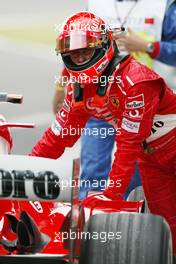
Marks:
<point>78,40</point>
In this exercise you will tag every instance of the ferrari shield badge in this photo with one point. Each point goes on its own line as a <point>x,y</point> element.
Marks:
<point>115,101</point>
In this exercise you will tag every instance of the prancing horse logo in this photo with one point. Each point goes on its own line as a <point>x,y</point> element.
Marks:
<point>115,101</point>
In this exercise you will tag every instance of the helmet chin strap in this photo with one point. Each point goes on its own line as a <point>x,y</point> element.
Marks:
<point>103,85</point>
<point>116,60</point>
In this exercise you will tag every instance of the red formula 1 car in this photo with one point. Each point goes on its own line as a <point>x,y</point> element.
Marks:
<point>43,221</point>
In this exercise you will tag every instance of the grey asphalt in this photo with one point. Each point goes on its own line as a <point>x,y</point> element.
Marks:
<point>40,6</point>
<point>33,76</point>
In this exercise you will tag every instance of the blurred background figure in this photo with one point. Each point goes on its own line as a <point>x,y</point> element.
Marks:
<point>59,95</point>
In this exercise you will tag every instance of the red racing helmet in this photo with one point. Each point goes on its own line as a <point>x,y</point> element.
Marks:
<point>87,35</point>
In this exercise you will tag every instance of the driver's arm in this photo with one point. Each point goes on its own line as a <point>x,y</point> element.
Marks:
<point>64,132</point>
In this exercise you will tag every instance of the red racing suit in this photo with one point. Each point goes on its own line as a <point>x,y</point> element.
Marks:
<point>143,110</point>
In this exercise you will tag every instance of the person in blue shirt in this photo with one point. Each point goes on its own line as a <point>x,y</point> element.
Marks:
<point>167,45</point>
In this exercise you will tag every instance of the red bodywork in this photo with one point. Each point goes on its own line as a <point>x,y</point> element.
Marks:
<point>54,218</point>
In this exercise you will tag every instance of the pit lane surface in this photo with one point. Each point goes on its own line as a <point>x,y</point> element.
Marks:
<point>28,63</point>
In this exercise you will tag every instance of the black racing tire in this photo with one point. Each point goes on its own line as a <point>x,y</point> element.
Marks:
<point>145,239</point>
<point>30,260</point>
<point>138,194</point>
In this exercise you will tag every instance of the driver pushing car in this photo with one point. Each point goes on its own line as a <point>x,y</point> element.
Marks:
<point>134,99</point>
